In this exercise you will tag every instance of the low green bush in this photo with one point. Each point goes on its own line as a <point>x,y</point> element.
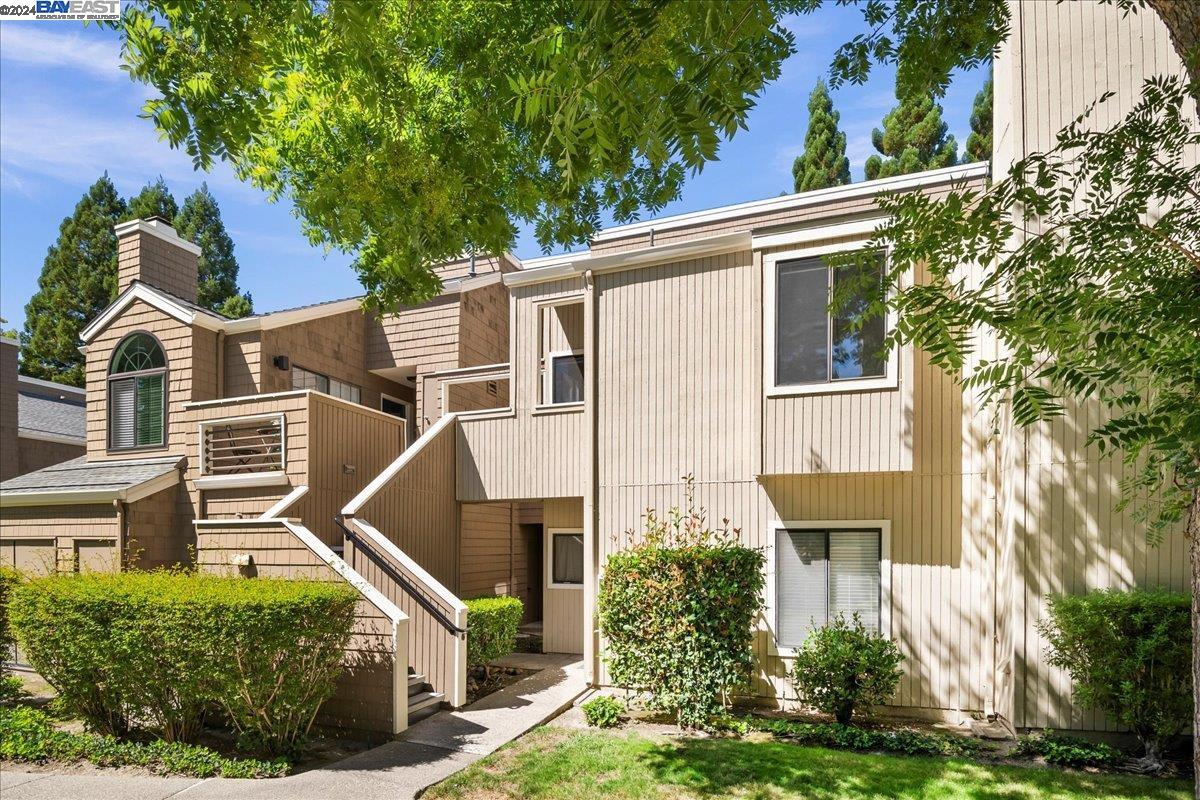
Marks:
<point>678,610</point>
<point>492,624</point>
<point>1068,751</point>
<point>9,578</point>
<point>850,737</point>
<point>29,735</point>
<point>603,711</point>
<point>160,648</point>
<point>843,666</point>
<point>1129,654</point>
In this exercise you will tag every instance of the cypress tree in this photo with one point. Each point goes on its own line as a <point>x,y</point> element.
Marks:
<point>823,162</point>
<point>199,221</point>
<point>913,138</point>
<point>78,280</point>
<point>154,200</point>
<point>979,142</point>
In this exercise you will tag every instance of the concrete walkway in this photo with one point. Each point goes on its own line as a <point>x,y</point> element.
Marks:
<point>428,752</point>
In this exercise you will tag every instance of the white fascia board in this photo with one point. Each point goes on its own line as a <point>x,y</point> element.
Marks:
<point>791,201</point>
<point>280,319</point>
<point>632,259</point>
<point>164,232</point>
<point>817,233</point>
<point>145,293</point>
<point>47,436</point>
<point>13,342</point>
<point>152,486</point>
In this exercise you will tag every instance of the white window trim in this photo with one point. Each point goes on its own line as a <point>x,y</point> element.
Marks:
<point>549,559</point>
<point>891,377</point>
<point>885,570</point>
<point>410,418</point>
<point>548,379</point>
<point>214,480</point>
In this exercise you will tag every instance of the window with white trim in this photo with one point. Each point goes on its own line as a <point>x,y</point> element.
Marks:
<point>137,385</point>
<point>813,346</point>
<point>821,573</point>
<point>566,553</point>
<point>307,379</point>
<point>561,357</point>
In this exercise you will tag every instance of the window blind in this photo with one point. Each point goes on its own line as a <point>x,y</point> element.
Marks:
<point>122,405</point>
<point>820,574</point>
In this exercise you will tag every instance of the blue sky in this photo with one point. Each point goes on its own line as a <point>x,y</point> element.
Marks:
<point>68,113</point>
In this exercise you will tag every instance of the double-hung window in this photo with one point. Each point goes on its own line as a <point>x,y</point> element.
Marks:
<point>821,573</point>
<point>137,387</point>
<point>813,347</point>
<point>307,379</point>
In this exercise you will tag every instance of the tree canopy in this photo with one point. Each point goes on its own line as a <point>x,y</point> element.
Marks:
<point>914,138</point>
<point>78,280</point>
<point>979,141</point>
<point>823,162</point>
<point>199,221</point>
<point>154,200</point>
<point>408,133</point>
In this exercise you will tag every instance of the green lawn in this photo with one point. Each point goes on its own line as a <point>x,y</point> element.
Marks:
<point>578,765</point>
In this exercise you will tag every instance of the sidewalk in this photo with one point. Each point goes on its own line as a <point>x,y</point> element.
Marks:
<point>428,752</point>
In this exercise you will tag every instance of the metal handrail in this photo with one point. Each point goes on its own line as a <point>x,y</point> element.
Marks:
<point>411,590</point>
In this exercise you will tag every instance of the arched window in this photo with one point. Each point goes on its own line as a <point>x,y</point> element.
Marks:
<point>137,380</point>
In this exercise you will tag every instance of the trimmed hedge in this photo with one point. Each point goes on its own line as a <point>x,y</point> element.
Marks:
<point>9,579</point>
<point>1129,654</point>
<point>27,734</point>
<point>161,648</point>
<point>843,666</point>
<point>678,610</point>
<point>492,624</point>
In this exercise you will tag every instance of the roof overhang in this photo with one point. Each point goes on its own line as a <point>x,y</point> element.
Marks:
<point>48,436</point>
<point>280,319</point>
<point>67,497</point>
<point>148,295</point>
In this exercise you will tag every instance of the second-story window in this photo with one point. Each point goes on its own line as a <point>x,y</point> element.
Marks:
<point>561,353</point>
<point>813,346</point>
<point>307,379</point>
<point>137,386</point>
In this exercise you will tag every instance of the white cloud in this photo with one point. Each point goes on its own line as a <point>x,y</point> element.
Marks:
<point>76,49</point>
<point>785,155</point>
<point>858,149</point>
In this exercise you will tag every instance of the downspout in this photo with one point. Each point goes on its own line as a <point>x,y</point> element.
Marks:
<point>591,565</point>
<point>122,532</point>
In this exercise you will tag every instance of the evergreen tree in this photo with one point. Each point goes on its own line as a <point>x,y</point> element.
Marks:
<point>154,200</point>
<point>78,280</point>
<point>979,142</point>
<point>823,162</point>
<point>913,138</point>
<point>199,221</point>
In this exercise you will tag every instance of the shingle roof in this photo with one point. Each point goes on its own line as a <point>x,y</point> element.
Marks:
<point>80,474</point>
<point>40,414</point>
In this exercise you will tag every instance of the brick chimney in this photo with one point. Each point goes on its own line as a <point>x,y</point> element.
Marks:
<point>149,250</point>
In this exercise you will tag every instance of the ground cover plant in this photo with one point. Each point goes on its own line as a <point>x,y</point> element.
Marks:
<point>677,607</point>
<point>1068,751</point>
<point>1129,654</point>
<point>157,651</point>
<point>603,711</point>
<point>852,737</point>
<point>29,735</point>
<point>557,764</point>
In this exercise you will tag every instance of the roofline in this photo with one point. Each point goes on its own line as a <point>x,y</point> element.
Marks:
<point>932,177</point>
<point>66,497</point>
<point>62,387</point>
<point>164,232</point>
<point>50,436</point>
<point>151,296</point>
<point>6,340</point>
<point>632,259</point>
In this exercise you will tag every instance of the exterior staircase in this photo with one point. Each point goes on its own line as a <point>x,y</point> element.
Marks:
<point>422,700</point>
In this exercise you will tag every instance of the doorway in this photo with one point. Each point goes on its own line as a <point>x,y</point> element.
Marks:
<point>531,538</point>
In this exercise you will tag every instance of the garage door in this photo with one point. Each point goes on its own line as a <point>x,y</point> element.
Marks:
<point>95,555</point>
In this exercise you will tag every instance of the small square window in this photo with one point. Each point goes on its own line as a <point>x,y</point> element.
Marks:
<point>567,559</point>
<point>567,378</point>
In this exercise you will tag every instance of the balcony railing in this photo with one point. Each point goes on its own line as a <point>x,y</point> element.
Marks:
<point>243,445</point>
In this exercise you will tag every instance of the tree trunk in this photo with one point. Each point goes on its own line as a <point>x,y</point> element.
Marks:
<point>1193,535</point>
<point>1182,18</point>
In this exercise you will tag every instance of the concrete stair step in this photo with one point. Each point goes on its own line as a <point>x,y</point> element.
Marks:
<point>417,685</point>
<point>423,704</point>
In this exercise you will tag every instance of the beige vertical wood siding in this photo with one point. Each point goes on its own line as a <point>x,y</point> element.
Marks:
<point>1058,495</point>
<point>364,695</point>
<point>547,443</point>
<point>562,611</point>
<point>488,550</point>
<point>417,511</point>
